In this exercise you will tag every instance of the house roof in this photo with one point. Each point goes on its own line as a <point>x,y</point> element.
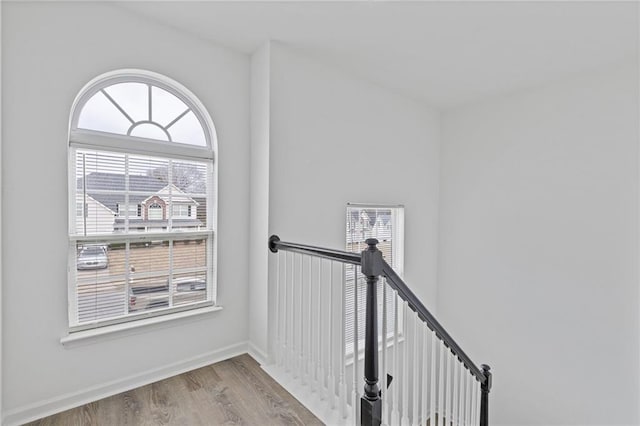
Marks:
<point>141,187</point>
<point>176,194</point>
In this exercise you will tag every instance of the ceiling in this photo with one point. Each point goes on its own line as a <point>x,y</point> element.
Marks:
<point>444,53</point>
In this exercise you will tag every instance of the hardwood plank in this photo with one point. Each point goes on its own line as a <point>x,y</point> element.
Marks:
<point>232,392</point>
<point>278,401</point>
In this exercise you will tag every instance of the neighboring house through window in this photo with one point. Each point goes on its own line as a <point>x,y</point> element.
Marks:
<point>131,210</point>
<point>155,212</point>
<point>141,168</point>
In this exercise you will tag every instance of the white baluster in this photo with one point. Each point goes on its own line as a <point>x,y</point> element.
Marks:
<point>448,383</point>
<point>466,418</point>
<point>278,307</point>
<point>318,351</point>
<point>416,369</point>
<point>313,288</point>
<point>432,380</point>
<point>478,397</point>
<point>383,368</point>
<point>309,331</point>
<point>301,360</point>
<point>425,367</point>
<point>331,380</point>
<point>456,393</point>
<point>355,392</point>
<point>321,334</point>
<point>342,381</point>
<point>469,391</point>
<point>285,313</point>
<point>473,401</point>
<point>463,396</point>
<point>404,420</point>
<point>441,385</point>
<point>292,320</point>
<point>395,411</point>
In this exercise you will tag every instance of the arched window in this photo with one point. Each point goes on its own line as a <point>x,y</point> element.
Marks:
<point>137,141</point>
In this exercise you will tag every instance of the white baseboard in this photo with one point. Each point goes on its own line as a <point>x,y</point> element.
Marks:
<point>37,410</point>
<point>259,355</point>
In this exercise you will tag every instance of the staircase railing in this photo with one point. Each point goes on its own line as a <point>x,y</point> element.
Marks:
<point>435,382</point>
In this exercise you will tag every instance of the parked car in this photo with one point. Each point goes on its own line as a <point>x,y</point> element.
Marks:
<point>187,290</point>
<point>92,257</point>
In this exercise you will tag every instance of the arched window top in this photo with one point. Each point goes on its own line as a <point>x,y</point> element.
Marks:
<point>142,104</point>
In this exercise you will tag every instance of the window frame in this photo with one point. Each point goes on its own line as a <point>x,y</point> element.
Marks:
<point>86,139</point>
<point>397,263</point>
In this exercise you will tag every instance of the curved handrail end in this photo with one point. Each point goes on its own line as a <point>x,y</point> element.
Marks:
<point>272,243</point>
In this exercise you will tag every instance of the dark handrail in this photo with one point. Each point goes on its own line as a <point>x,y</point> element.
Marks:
<point>342,256</point>
<point>423,313</point>
<point>396,283</point>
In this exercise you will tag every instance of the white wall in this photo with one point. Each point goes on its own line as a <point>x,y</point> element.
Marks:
<point>334,139</point>
<point>50,50</point>
<point>539,248</point>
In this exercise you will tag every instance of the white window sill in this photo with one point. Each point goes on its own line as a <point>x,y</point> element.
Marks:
<point>133,327</point>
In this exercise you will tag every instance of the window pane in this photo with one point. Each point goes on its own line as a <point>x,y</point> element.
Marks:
<point>188,130</point>
<point>189,266</point>
<point>100,114</point>
<point>190,177</point>
<point>190,255</point>
<point>100,186</point>
<point>133,98</point>
<point>124,109</point>
<point>165,107</point>
<point>109,192</point>
<point>104,271</point>
<point>101,281</point>
<point>149,264</point>
<point>384,224</point>
<point>189,288</point>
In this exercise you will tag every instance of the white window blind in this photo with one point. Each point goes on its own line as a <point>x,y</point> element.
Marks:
<point>145,244</point>
<point>386,224</point>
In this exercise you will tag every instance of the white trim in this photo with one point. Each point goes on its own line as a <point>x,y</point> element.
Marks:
<point>147,77</point>
<point>260,356</point>
<point>141,237</point>
<point>92,139</point>
<point>43,408</point>
<point>638,228</point>
<point>137,319</point>
<point>132,326</point>
<point>1,333</point>
<point>375,206</point>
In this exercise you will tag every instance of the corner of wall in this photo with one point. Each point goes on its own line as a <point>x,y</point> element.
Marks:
<point>1,333</point>
<point>259,201</point>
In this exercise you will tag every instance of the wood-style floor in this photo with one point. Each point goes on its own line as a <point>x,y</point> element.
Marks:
<point>232,392</point>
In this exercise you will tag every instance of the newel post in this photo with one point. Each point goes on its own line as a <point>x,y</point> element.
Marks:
<point>370,403</point>
<point>484,398</point>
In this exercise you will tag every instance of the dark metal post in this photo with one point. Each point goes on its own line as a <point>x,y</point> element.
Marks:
<point>370,403</point>
<point>484,399</point>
